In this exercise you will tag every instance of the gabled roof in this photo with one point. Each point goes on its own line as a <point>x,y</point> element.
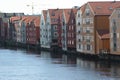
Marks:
<point>74,11</point>
<point>67,13</point>
<point>37,21</point>
<point>27,19</point>
<point>45,14</point>
<point>103,34</point>
<point>82,8</point>
<point>15,18</point>
<point>104,7</point>
<point>54,15</point>
<point>114,12</point>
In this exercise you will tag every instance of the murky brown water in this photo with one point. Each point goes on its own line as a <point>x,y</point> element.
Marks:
<point>24,65</point>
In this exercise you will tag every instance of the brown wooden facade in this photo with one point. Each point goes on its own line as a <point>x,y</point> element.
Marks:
<point>101,23</point>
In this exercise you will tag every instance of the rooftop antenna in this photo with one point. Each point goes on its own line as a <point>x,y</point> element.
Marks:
<point>114,0</point>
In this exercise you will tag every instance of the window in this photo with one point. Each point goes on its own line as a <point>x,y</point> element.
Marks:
<point>47,23</point>
<point>63,23</point>
<point>114,35</point>
<point>79,32</point>
<point>88,40</point>
<point>114,22</point>
<point>117,35</point>
<point>55,34</point>
<point>79,40</point>
<point>72,42</point>
<point>87,12</point>
<point>55,27</point>
<point>87,21</point>
<point>118,14</point>
<point>78,23</point>
<point>114,25</point>
<point>72,21</point>
<point>115,46</point>
<point>78,15</point>
<point>53,14</point>
<point>68,41</point>
<point>79,46</point>
<point>91,20</point>
<point>42,23</point>
<point>87,31</point>
<point>83,38</point>
<point>72,27</point>
<point>88,46</point>
<point>69,27</point>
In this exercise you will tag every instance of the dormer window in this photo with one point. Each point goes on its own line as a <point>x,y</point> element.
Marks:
<point>110,8</point>
<point>98,7</point>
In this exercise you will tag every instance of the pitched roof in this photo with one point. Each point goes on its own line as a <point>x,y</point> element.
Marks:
<point>27,19</point>
<point>45,14</point>
<point>54,15</point>
<point>67,14</point>
<point>103,34</point>
<point>82,8</point>
<point>37,21</point>
<point>104,7</point>
<point>15,18</point>
<point>74,11</point>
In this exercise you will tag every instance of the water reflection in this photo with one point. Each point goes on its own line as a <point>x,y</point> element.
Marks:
<point>28,65</point>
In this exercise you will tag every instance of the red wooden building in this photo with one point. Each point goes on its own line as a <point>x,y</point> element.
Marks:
<point>71,30</point>
<point>33,30</point>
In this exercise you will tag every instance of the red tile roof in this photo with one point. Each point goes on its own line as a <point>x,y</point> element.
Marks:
<point>15,18</point>
<point>67,14</point>
<point>104,7</point>
<point>37,21</point>
<point>103,34</point>
<point>54,15</point>
<point>27,19</point>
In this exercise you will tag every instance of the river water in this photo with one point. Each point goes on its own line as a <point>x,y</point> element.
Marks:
<point>26,65</point>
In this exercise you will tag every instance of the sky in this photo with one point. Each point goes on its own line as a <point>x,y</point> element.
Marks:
<point>39,5</point>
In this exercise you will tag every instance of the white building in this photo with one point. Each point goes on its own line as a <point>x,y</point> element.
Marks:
<point>65,19</point>
<point>79,36</point>
<point>44,30</point>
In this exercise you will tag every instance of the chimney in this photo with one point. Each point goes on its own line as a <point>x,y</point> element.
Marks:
<point>114,1</point>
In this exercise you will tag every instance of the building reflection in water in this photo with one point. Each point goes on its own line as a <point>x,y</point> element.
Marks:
<point>103,68</point>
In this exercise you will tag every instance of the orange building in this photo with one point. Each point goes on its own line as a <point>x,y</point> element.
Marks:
<point>33,30</point>
<point>95,26</point>
<point>71,30</point>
